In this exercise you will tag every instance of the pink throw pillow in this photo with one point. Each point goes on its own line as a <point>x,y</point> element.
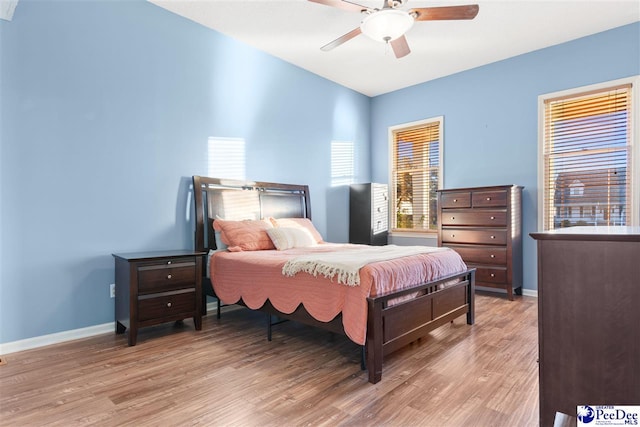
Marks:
<point>249,235</point>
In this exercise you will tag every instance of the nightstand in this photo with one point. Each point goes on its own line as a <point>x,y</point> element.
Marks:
<point>157,287</point>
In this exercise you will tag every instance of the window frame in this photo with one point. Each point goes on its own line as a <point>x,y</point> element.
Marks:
<point>392,184</point>
<point>634,123</point>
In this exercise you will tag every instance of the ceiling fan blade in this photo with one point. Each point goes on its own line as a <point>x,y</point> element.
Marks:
<point>346,5</point>
<point>342,39</point>
<point>445,13</point>
<point>400,47</point>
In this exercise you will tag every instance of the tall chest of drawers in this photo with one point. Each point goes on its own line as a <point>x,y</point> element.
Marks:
<point>484,225</point>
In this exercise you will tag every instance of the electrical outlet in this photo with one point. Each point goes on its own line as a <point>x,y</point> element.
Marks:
<point>112,290</point>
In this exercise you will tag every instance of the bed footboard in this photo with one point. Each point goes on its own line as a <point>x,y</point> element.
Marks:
<point>391,327</point>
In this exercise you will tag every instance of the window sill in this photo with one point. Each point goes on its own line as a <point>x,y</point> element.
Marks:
<point>397,236</point>
<point>413,235</point>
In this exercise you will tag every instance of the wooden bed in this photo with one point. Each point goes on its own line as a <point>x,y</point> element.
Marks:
<point>389,327</point>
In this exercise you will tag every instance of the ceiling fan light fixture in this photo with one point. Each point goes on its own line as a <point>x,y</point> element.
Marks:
<point>386,25</point>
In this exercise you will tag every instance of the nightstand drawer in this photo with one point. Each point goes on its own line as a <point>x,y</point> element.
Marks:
<point>477,236</point>
<point>159,278</point>
<point>460,199</point>
<point>491,218</point>
<point>489,198</point>
<point>167,305</point>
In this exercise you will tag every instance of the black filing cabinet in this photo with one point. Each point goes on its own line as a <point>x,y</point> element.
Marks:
<point>369,213</point>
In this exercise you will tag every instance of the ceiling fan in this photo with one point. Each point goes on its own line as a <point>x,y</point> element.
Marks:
<point>390,23</point>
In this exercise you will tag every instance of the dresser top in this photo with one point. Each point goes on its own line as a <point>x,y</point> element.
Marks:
<point>594,233</point>
<point>489,187</point>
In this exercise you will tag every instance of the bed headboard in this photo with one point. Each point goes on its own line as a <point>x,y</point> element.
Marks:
<point>237,200</point>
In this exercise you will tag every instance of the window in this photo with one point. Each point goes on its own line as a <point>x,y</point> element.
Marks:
<point>226,158</point>
<point>587,173</point>
<point>342,163</point>
<point>416,174</point>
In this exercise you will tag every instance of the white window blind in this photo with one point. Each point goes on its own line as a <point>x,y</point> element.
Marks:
<point>587,164</point>
<point>226,158</point>
<point>416,174</point>
<point>342,163</point>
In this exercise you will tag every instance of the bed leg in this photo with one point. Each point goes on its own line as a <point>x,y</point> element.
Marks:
<point>269,327</point>
<point>363,358</point>
<point>375,345</point>
<point>471,297</point>
<point>217,308</point>
<point>374,365</point>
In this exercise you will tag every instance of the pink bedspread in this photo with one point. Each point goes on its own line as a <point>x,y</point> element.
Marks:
<point>256,276</point>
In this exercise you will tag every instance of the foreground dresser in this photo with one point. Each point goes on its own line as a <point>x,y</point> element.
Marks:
<point>588,318</point>
<point>483,224</point>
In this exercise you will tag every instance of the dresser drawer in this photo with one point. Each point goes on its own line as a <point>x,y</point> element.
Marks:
<point>458,199</point>
<point>491,218</point>
<point>167,305</point>
<point>488,199</point>
<point>159,278</point>
<point>482,255</point>
<point>491,275</point>
<point>476,236</point>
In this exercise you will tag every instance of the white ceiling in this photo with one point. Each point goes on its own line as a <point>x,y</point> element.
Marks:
<point>294,30</point>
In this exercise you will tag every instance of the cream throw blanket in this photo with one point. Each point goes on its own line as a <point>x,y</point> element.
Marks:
<point>347,262</point>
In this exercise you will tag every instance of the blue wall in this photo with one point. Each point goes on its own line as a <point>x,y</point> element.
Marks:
<point>491,117</point>
<point>105,111</point>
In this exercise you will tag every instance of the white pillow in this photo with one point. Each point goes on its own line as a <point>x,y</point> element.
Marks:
<point>291,237</point>
<point>220,245</point>
<point>209,255</point>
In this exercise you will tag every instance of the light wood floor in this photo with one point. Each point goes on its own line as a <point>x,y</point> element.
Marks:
<point>228,374</point>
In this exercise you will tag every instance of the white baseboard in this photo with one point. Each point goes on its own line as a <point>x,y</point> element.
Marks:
<point>530,292</point>
<point>64,336</point>
<point>56,338</point>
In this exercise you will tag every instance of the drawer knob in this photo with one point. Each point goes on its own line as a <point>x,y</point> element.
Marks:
<point>453,217</point>
<point>169,304</point>
<point>492,256</point>
<point>168,262</point>
<point>168,276</point>
<point>455,200</point>
<point>453,235</point>
<point>492,275</point>
<point>493,217</point>
<point>493,237</point>
<point>488,198</point>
